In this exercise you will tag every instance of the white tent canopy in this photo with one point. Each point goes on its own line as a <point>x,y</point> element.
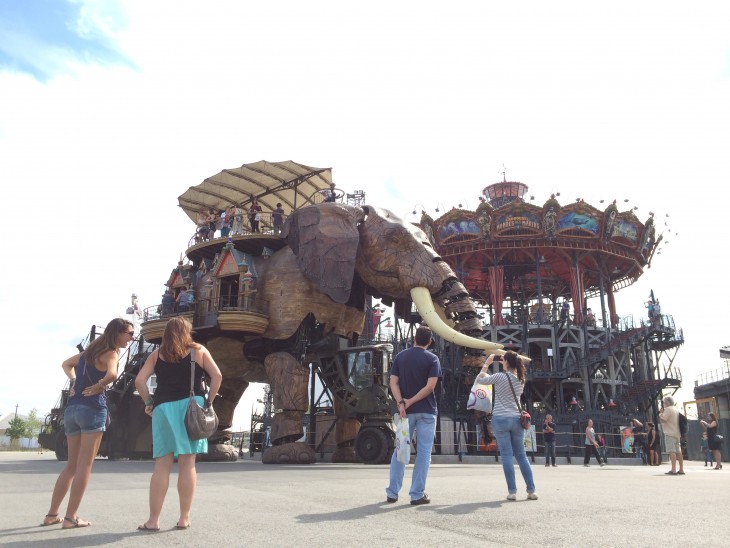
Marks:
<point>294,185</point>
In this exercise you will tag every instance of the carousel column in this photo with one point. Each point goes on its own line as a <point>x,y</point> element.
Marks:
<point>611,366</point>
<point>602,296</point>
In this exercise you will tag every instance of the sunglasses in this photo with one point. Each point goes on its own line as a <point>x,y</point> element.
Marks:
<point>129,333</point>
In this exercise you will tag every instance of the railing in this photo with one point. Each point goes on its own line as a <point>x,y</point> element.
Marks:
<point>243,303</point>
<point>465,438</point>
<point>266,226</point>
<point>236,303</point>
<point>157,311</point>
<point>713,376</point>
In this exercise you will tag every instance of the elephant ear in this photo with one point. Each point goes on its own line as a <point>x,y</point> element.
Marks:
<point>325,238</point>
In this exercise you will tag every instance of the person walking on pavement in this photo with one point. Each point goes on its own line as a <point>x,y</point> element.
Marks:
<point>548,436</point>
<point>669,417</point>
<point>413,379</point>
<point>713,442</point>
<point>591,446</point>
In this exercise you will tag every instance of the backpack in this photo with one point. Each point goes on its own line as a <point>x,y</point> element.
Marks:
<point>682,424</point>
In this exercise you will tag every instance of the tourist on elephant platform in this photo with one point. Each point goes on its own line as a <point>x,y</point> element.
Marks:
<point>171,363</point>
<point>237,227</point>
<point>508,387</point>
<point>254,215</point>
<point>85,417</point>
<point>413,379</point>
<point>277,219</point>
<point>212,220</point>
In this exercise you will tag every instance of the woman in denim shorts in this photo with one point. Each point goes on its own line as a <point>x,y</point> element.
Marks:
<point>85,417</point>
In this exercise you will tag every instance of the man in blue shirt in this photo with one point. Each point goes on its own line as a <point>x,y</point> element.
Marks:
<point>413,379</point>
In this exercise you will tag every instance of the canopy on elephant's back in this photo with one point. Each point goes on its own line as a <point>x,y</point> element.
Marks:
<point>294,185</point>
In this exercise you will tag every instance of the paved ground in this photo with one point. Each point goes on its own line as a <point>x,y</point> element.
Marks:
<point>246,503</point>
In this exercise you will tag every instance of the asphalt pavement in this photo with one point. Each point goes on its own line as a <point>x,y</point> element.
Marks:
<point>246,503</point>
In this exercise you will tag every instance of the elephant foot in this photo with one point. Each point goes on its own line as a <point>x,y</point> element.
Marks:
<point>289,453</point>
<point>219,452</point>
<point>344,454</point>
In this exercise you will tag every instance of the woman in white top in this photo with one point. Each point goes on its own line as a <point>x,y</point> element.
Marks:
<point>506,420</point>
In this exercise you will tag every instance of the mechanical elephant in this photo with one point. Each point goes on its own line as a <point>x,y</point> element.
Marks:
<point>316,286</point>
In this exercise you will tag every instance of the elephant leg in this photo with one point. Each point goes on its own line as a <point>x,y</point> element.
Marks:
<point>289,381</point>
<point>346,430</point>
<point>230,391</point>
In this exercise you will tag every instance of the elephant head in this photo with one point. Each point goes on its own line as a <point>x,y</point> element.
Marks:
<point>339,248</point>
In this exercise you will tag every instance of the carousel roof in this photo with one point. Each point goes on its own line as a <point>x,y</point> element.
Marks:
<point>292,184</point>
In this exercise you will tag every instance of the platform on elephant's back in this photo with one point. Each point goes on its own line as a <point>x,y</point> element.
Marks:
<point>239,320</point>
<point>153,329</point>
<point>254,244</point>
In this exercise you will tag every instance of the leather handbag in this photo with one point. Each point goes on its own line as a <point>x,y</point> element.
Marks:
<point>200,422</point>
<point>525,418</point>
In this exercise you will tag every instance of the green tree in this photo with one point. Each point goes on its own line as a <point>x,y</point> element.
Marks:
<point>32,425</point>
<point>15,430</point>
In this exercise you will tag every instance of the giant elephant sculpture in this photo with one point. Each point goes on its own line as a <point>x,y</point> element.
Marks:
<point>316,286</point>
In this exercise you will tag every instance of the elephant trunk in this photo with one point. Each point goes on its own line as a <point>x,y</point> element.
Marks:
<point>460,308</point>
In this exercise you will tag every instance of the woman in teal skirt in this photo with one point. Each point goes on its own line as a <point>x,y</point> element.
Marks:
<point>171,363</point>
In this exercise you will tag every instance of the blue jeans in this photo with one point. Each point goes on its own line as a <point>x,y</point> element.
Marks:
<point>424,426</point>
<point>511,442</point>
<point>550,452</point>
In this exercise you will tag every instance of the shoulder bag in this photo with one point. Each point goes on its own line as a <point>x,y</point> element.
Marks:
<point>525,417</point>
<point>200,422</point>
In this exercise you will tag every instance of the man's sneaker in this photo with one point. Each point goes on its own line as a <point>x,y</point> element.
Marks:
<point>587,465</point>
<point>555,465</point>
<point>423,500</point>
<point>603,463</point>
<point>547,465</point>
<point>512,496</point>
<point>531,496</point>
<point>391,499</point>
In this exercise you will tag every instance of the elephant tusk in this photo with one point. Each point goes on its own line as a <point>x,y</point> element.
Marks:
<point>442,315</point>
<point>422,299</point>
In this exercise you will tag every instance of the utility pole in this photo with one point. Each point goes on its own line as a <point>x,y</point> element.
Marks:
<point>16,410</point>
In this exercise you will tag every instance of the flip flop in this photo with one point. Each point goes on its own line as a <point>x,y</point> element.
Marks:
<point>56,520</point>
<point>144,527</point>
<point>182,526</point>
<point>77,523</point>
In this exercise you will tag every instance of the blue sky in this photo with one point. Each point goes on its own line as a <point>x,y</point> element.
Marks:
<point>111,110</point>
<point>45,38</point>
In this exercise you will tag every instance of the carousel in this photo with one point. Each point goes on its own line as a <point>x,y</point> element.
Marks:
<point>544,278</point>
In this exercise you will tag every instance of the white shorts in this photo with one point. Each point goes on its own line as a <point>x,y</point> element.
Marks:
<point>672,444</point>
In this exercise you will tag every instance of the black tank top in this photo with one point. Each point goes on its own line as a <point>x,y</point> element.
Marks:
<point>173,380</point>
